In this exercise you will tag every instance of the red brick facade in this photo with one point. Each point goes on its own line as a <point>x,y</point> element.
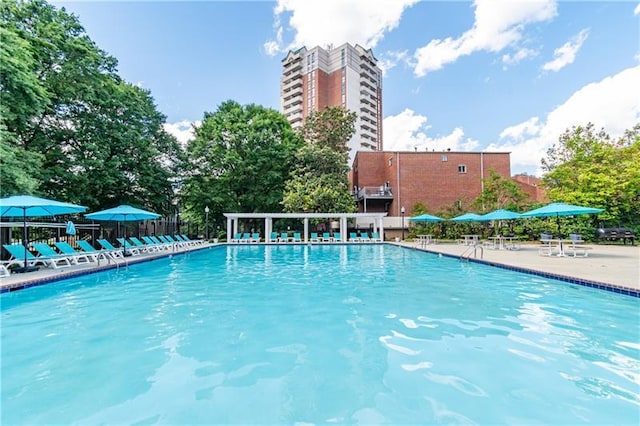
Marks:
<point>530,185</point>
<point>437,179</point>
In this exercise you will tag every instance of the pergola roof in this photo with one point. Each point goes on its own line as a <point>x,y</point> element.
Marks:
<point>301,215</point>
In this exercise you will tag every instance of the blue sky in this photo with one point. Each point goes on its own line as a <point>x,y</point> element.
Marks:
<point>497,75</point>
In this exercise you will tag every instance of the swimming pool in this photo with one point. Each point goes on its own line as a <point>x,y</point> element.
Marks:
<point>317,334</point>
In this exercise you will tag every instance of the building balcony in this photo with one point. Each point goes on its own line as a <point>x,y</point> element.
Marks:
<point>382,192</point>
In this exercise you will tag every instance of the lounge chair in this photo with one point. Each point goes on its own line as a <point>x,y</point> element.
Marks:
<point>89,249</point>
<point>326,237</point>
<point>149,248</point>
<point>18,254</point>
<point>274,237</point>
<point>246,237</point>
<point>105,244</point>
<point>255,237</point>
<point>186,243</point>
<point>375,237</point>
<point>297,237</point>
<point>236,238</point>
<point>171,240</point>
<point>57,260</point>
<point>337,237</point>
<point>159,245</point>
<point>353,237</point>
<point>189,240</point>
<point>4,270</point>
<point>314,238</point>
<point>66,249</point>
<point>284,237</point>
<point>364,237</point>
<point>129,247</point>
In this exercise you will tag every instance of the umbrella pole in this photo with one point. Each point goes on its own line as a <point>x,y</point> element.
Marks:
<point>25,243</point>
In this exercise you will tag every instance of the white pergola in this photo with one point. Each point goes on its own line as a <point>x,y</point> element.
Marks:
<point>233,218</point>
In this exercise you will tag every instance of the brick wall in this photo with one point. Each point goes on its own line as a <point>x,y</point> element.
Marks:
<point>436,179</point>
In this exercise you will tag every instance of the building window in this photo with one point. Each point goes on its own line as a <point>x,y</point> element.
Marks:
<point>462,168</point>
<point>444,157</point>
<point>390,161</point>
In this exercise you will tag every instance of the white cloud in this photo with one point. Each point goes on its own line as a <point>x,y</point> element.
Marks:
<point>182,130</point>
<point>566,54</point>
<point>498,24</point>
<point>389,60</point>
<point>407,132</point>
<point>320,23</point>
<point>612,103</point>
<point>521,54</point>
<point>636,11</point>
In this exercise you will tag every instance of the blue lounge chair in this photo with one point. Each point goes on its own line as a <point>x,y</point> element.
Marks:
<point>109,247</point>
<point>284,237</point>
<point>17,257</point>
<point>189,240</point>
<point>66,249</point>
<point>157,244</point>
<point>297,238</point>
<point>314,238</point>
<point>326,237</point>
<point>353,237</point>
<point>255,237</point>
<point>375,237</point>
<point>236,238</point>
<point>274,237</point>
<point>57,260</point>
<point>128,246</point>
<point>149,248</point>
<point>337,237</point>
<point>89,249</point>
<point>364,237</point>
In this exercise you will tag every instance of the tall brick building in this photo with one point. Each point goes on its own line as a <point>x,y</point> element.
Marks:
<point>386,181</point>
<point>346,76</point>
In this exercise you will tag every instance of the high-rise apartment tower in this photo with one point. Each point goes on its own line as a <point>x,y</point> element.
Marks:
<point>346,76</point>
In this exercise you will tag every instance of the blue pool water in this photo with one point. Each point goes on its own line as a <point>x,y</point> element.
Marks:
<point>317,334</point>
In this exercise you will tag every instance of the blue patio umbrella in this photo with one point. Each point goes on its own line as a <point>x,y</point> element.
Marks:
<point>500,214</point>
<point>123,213</point>
<point>29,206</point>
<point>426,218</point>
<point>467,217</point>
<point>560,209</point>
<point>71,228</point>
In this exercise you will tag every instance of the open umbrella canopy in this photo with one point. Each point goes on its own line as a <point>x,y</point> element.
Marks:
<point>123,213</point>
<point>29,206</point>
<point>467,217</point>
<point>426,218</point>
<point>500,214</point>
<point>560,209</point>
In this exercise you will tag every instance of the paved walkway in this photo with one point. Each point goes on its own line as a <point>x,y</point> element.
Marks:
<point>612,265</point>
<point>615,265</point>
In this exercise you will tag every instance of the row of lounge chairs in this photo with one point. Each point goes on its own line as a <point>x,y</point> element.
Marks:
<point>66,255</point>
<point>314,237</point>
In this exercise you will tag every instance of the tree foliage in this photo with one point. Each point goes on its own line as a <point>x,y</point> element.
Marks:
<point>239,161</point>
<point>331,127</point>
<point>319,182</point>
<point>588,167</point>
<point>499,192</point>
<point>77,131</point>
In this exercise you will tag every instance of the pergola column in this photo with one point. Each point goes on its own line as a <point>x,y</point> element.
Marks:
<point>229,230</point>
<point>381,222</point>
<point>306,229</point>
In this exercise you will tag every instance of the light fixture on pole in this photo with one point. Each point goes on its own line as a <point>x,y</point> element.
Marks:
<point>206,222</point>
<point>402,211</point>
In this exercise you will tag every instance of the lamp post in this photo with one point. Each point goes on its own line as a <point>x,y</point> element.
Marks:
<point>402,210</point>
<point>206,222</point>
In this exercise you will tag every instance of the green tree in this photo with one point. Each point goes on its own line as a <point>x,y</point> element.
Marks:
<point>588,167</point>
<point>239,161</point>
<point>499,192</point>
<point>319,182</point>
<point>83,134</point>
<point>331,127</point>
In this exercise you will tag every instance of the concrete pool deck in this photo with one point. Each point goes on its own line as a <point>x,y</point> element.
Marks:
<point>615,266</point>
